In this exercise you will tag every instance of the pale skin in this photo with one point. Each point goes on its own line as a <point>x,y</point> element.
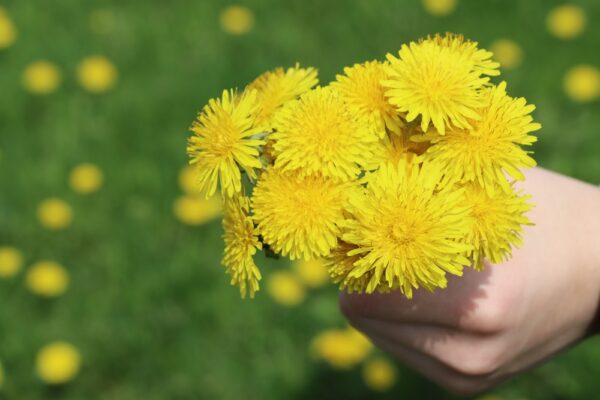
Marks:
<point>488,326</point>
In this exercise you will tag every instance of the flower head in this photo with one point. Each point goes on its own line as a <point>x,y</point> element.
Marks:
<point>11,261</point>
<point>47,279</point>
<point>286,288</point>
<point>241,243</point>
<point>86,178</point>
<point>406,228</point>
<point>297,215</point>
<point>318,134</point>
<point>341,348</point>
<point>438,79</point>
<point>277,87</point>
<point>97,74</point>
<point>41,77</point>
<point>498,223</point>
<point>58,363</point>
<point>493,145</point>
<point>361,88</point>
<point>224,142</point>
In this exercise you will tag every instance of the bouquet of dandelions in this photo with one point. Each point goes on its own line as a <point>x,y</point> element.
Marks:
<point>397,173</point>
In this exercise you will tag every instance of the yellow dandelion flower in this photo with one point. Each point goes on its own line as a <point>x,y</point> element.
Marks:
<point>277,87</point>
<point>439,8</point>
<point>582,83</point>
<point>97,74</point>
<point>285,288</point>
<point>8,32</point>
<point>566,21</point>
<point>340,264</point>
<point>312,272</point>
<point>318,134</point>
<point>241,243</point>
<point>197,210</point>
<point>11,261</point>
<point>498,223</point>
<point>493,146</point>
<point>224,141</point>
<point>86,178</point>
<point>361,88</point>
<point>438,79</point>
<point>507,52</point>
<point>379,374</point>
<point>188,180</point>
<point>340,348</point>
<point>58,363</point>
<point>393,148</point>
<point>297,215</point>
<point>54,214</point>
<point>406,228</point>
<point>237,20</point>
<point>47,279</point>
<point>41,77</point>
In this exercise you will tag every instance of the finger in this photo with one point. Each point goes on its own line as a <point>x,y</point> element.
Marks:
<point>434,370</point>
<point>464,304</point>
<point>467,353</point>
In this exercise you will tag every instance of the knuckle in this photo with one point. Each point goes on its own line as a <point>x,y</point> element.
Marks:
<point>477,362</point>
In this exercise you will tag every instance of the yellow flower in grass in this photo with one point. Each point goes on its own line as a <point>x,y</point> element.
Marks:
<point>97,74</point>
<point>241,243</point>
<point>498,223</point>
<point>11,261</point>
<point>58,363</point>
<point>47,279</point>
<point>8,32</point>
<point>197,210</point>
<point>507,52</point>
<point>277,87</point>
<point>41,77</point>
<point>319,134</point>
<point>361,88</point>
<point>188,180</point>
<point>1,375</point>
<point>237,19</point>
<point>439,8</point>
<point>406,228</point>
<point>439,80</point>
<point>379,374</point>
<point>86,178</point>
<point>285,288</point>
<point>224,141</point>
<point>341,348</point>
<point>55,214</point>
<point>297,215</point>
<point>312,272</point>
<point>582,83</point>
<point>566,21</point>
<point>493,146</point>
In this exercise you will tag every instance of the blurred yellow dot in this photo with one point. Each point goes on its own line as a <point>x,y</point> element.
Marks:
<point>86,178</point>
<point>439,8</point>
<point>188,180</point>
<point>196,210</point>
<point>101,21</point>
<point>566,21</point>
<point>55,214</point>
<point>47,278</point>
<point>41,77</point>
<point>508,53</point>
<point>237,20</point>
<point>341,348</point>
<point>582,83</point>
<point>312,273</point>
<point>379,374</point>
<point>11,261</point>
<point>285,288</point>
<point>97,74</point>
<point>58,363</point>
<point>1,375</point>
<point>8,33</point>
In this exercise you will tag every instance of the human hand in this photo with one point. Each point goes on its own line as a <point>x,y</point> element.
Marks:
<point>488,326</point>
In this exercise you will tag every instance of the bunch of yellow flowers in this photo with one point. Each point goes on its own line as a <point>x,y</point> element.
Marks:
<point>397,173</point>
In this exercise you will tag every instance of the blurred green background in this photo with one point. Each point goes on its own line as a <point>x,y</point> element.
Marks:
<point>148,305</point>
